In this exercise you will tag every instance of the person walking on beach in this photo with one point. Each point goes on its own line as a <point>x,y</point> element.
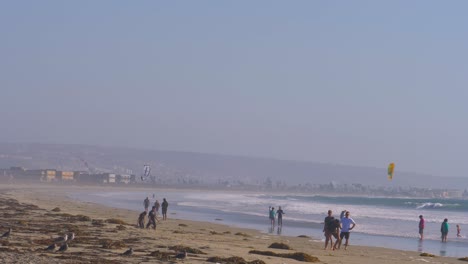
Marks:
<point>146,203</point>
<point>347,224</point>
<point>141,220</point>
<point>458,231</point>
<point>280,214</point>
<point>421,227</point>
<point>328,229</point>
<point>272,215</point>
<point>164,206</point>
<point>156,206</point>
<point>444,228</point>
<point>336,232</point>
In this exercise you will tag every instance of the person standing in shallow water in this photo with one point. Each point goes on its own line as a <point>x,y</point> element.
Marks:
<point>272,215</point>
<point>421,227</point>
<point>280,213</point>
<point>444,228</point>
<point>164,206</point>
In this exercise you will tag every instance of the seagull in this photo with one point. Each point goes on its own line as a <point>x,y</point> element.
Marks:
<point>51,247</point>
<point>129,252</point>
<point>181,255</point>
<point>63,247</point>
<point>61,239</point>
<point>7,233</point>
<point>71,237</point>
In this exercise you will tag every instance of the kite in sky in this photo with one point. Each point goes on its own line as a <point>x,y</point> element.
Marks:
<point>391,166</point>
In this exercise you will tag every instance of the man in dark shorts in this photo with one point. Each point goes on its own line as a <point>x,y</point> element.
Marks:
<point>336,232</point>
<point>328,229</point>
<point>347,224</point>
<point>164,206</point>
<point>280,213</point>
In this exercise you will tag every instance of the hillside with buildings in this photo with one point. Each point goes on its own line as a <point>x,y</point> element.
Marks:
<point>83,164</point>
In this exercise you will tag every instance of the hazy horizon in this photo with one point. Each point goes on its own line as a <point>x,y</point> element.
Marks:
<point>359,83</point>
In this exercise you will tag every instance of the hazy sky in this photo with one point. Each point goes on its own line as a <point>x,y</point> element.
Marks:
<point>343,82</point>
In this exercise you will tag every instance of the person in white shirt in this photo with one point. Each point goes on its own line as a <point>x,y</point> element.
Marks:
<point>347,224</point>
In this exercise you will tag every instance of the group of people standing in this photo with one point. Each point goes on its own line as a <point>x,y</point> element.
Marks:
<point>153,213</point>
<point>338,229</point>
<point>444,229</point>
<point>273,214</point>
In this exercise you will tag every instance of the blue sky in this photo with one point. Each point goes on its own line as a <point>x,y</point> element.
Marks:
<point>342,82</point>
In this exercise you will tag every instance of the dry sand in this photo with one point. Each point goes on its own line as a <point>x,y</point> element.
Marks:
<point>101,239</point>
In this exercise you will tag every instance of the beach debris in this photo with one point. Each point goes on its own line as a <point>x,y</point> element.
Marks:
<point>116,221</point>
<point>297,256</point>
<point>463,259</point>
<point>111,244</point>
<point>7,233</point>
<point>234,260</point>
<point>129,252</point>
<point>241,234</point>
<point>165,256</point>
<point>424,254</point>
<point>184,225</point>
<point>186,249</point>
<point>304,236</point>
<point>51,247</point>
<point>97,222</point>
<point>181,255</point>
<point>279,246</point>
<point>63,247</point>
<point>56,209</point>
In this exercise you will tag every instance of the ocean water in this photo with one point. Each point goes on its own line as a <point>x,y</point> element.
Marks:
<point>383,222</point>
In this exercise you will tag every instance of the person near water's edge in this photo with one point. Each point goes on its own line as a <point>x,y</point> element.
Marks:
<point>421,227</point>
<point>280,214</point>
<point>444,228</point>
<point>272,215</point>
<point>347,224</point>
<point>164,206</point>
<point>328,229</point>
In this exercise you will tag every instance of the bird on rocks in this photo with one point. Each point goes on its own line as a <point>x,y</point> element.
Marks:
<point>51,247</point>
<point>71,237</point>
<point>129,252</point>
<point>61,239</point>
<point>63,247</point>
<point>181,255</point>
<point>7,233</point>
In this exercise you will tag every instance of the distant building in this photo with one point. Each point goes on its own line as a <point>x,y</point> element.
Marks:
<point>65,176</point>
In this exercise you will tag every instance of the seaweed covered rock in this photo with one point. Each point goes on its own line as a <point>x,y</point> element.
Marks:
<point>279,246</point>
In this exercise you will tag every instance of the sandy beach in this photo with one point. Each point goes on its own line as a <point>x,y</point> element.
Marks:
<point>38,215</point>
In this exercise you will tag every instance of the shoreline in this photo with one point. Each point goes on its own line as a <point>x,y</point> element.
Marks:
<point>214,239</point>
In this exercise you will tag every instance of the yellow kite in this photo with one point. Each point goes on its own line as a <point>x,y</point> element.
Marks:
<point>391,166</point>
